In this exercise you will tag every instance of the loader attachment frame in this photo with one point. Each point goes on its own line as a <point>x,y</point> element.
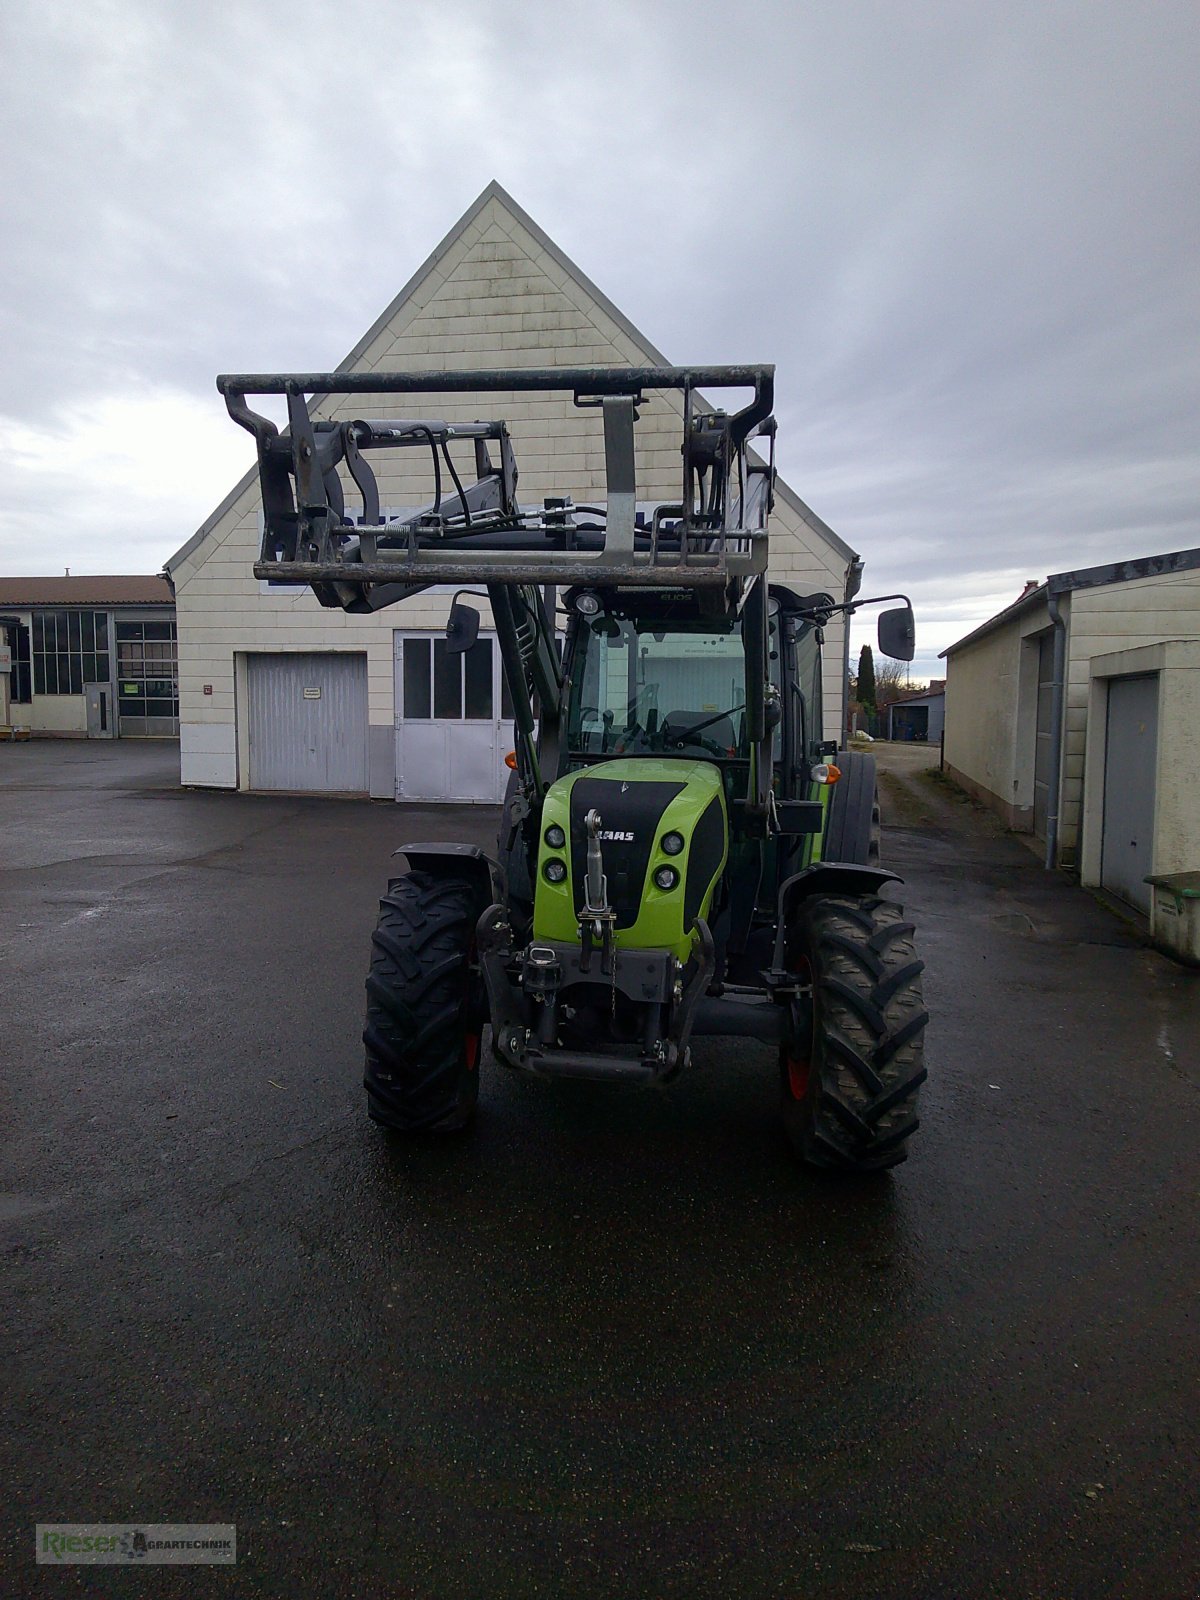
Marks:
<point>714,536</point>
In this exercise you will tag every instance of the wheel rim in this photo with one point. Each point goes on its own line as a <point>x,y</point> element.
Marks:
<point>471,1050</point>
<point>799,1051</point>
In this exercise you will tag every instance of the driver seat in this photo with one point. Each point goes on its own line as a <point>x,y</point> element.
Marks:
<point>719,733</point>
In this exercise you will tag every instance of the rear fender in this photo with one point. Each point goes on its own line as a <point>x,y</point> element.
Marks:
<point>824,878</point>
<point>458,861</point>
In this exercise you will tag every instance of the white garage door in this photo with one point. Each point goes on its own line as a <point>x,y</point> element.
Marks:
<point>308,722</point>
<point>453,723</point>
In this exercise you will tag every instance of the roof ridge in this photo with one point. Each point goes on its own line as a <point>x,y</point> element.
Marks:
<point>494,190</point>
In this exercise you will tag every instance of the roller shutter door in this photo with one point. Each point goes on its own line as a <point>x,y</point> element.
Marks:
<point>308,722</point>
<point>1130,763</point>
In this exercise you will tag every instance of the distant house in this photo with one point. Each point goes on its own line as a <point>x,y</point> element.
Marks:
<point>918,716</point>
<point>91,658</point>
<point>1075,713</point>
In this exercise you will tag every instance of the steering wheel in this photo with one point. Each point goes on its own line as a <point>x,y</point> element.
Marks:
<point>680,742</point>
<point>636,741</point>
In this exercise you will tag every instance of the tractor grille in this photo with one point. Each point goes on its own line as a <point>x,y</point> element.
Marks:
<point>633,808</point>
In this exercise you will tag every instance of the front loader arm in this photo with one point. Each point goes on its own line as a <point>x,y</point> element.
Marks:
<point>763,710</point>
<point>532,670</point>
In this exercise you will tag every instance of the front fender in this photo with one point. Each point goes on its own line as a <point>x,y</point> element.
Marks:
<point>824,878</point>
<point>457,861</point>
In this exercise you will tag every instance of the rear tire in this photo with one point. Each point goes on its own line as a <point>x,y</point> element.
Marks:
<point>849,1078</point>
<point>425,1007</point>
<point>852,833</point>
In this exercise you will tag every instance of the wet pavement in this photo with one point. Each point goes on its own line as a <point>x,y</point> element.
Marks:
<point>610,1343</point>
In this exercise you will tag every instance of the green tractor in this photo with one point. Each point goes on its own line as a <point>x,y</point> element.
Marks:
<point>681,853</point>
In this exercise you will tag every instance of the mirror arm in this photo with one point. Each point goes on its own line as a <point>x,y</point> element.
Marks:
<point>873,600</point>
<point>823,613</point>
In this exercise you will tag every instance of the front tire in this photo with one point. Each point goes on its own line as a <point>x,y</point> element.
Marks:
<point>425,1007</point>
<point>850,1071</point>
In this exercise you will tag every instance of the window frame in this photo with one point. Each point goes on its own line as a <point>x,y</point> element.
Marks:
<point>70,649</point>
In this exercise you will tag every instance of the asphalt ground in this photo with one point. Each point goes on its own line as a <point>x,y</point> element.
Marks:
<point>610,1342</point>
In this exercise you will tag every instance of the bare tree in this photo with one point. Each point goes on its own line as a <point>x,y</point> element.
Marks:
<point>891,681</point>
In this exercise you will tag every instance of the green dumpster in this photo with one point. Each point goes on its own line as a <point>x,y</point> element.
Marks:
<point>1175,914</point>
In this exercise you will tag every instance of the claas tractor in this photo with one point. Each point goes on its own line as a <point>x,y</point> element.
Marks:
<point>681,853</point>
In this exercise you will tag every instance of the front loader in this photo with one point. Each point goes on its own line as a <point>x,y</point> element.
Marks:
<point>681,853</point>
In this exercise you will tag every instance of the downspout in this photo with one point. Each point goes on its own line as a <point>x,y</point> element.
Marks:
<point>854,578</point>
<point>1057,697</point>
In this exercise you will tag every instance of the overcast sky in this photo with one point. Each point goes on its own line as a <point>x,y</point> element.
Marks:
<point>966,233</point>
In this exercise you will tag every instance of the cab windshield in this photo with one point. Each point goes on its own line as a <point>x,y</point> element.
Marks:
<point>662,688</point>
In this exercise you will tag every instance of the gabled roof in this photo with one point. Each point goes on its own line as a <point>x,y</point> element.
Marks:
<point>494,191</point>
<point>1124,571</point>
<point>654,356</point>
<point>1082,578</point>
<point>931,691</point>
<point>1027,601</point>
<point>85,591</point>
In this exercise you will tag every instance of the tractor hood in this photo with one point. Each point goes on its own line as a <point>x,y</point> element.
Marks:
<point>640,801</point>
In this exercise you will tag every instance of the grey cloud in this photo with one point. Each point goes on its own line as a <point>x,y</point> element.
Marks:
<point>967,235</point>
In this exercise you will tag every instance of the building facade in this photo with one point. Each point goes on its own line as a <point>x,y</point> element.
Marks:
<point>1033,700</point>
<point>278,693</point>
<point>90,658</point>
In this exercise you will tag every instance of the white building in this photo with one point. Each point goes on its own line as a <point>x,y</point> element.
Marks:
<point>1075,713</point>
<point>278,693</point>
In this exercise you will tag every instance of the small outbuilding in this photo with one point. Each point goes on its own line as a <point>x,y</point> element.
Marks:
<point>919,716</point>
<point>1075,713</point>
<point>89,658</point>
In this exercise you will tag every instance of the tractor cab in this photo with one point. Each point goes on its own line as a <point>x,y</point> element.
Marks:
<point>651,674</point>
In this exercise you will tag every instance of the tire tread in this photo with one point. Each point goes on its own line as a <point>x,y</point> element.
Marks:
<point>418,998</point>
<point>868,1042</point>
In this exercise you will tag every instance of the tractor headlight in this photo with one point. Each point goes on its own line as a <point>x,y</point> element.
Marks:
<point>555,837</point>
<point>587,604</point>
<point>666,877</point>
<point>672,843</point>
<point>555,871</point>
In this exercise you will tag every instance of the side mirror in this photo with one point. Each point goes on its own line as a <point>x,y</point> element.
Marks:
<point>898,633</point>
<point>462,629</point>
